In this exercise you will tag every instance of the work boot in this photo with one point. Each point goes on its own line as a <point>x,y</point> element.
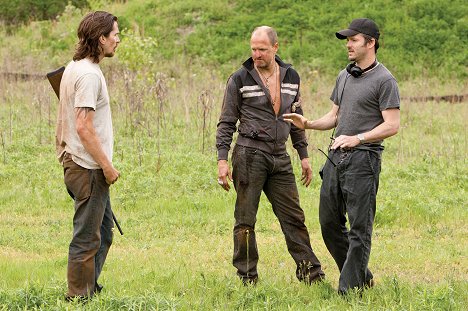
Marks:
<point>249,281</point>
<point>98,288</point>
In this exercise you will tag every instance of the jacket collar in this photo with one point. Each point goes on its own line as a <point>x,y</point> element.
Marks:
<point>249,66</point>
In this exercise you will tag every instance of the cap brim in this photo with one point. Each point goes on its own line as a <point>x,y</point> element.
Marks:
<point>343,34</point>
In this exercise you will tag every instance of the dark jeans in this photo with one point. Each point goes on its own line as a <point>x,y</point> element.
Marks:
<point>92,227</point>
<point>254,171</point>
<point>350,188</point>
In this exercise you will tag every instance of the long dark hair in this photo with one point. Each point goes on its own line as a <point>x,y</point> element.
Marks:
<point>91,28</point>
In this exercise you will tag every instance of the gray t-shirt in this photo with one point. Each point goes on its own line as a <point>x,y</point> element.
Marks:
<point>362,100</point>
<point>83,85</point>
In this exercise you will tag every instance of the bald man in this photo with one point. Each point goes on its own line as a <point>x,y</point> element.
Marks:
<point>255,96</point>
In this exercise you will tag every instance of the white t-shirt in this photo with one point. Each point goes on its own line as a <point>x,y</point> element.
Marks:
<point>83,85</point>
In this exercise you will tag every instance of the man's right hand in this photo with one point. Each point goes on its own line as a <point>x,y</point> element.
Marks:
<point>224,174</point>
<point>296,119</point>
<point>111,174</point>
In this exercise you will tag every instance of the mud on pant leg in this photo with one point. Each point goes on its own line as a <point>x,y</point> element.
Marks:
<point>90,192</point>
<point>106,240</point>
<point>249,175</point>
<point>281,190</point>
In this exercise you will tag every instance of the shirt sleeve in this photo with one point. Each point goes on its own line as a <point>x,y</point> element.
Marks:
<point>227,120</point>
<point>334,96</point>
<point>389,95</point>
<point>87,91</point>
<point>337,92</point>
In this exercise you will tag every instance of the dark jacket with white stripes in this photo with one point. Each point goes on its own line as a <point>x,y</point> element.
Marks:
<point>248,101</point>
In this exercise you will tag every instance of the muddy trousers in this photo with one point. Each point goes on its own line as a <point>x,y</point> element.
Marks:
<point>349,188</point>
<point>92,227</point>
<point>255,171</point>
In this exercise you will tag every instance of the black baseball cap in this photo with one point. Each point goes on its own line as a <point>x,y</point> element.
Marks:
<point>360,25</point>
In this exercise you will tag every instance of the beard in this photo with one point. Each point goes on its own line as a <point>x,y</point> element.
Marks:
<point>109,54</point>
<point>262,63</point>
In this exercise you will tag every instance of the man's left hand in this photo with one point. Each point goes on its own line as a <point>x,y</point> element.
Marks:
<point>306,172</point>
<point>344,141</point>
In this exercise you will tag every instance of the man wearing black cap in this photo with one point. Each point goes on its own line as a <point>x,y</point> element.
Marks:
<point>365,111</point>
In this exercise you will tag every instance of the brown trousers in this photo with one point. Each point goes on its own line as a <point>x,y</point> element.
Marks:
<point>92,227</point>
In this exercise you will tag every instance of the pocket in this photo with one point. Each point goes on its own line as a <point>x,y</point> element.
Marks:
<point>77,180</point>
<point>321,172</point>
<point>235,150</point>
<point>242,163</point>
<point>374,162</point>
<point>258,130</point>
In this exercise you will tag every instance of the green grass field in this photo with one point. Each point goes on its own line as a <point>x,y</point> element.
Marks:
<point>177,247</point>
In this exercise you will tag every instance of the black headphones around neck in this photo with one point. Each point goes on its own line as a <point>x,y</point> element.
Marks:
<point>356,71</point>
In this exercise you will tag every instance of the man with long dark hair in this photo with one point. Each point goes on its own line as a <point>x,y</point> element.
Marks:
<point>84,142</point>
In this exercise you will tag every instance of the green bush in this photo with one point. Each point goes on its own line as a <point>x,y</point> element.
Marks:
<point>418,37</point>
<point>21,11</point>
